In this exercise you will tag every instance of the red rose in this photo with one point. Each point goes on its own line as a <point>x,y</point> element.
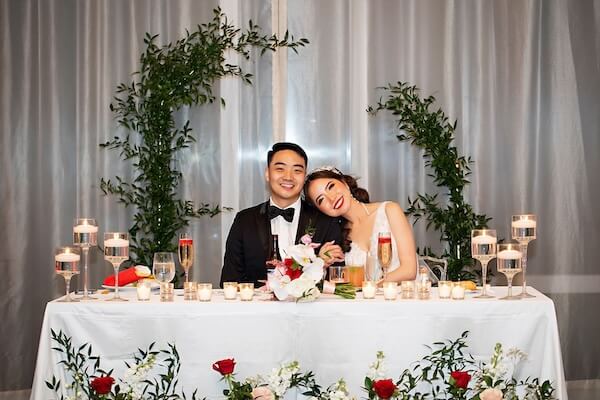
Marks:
<point>293,273</point>
<point>288,262</point>
<point>461,379</point>
<point>384,388</point>
<point>225,367</point>
<point>102,384</point>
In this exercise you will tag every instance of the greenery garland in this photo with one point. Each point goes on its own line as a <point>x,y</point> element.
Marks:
<point>171,77</point>
<point>431,131</point>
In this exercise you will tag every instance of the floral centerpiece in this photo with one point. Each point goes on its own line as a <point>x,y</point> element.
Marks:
<point>300,275</point>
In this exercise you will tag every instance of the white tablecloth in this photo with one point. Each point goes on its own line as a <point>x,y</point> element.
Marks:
<point>332,337</point>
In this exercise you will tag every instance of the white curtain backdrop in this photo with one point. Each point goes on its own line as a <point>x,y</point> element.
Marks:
<point>521,77</point>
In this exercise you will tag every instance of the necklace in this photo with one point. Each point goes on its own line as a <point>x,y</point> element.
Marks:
<point>365,208</point>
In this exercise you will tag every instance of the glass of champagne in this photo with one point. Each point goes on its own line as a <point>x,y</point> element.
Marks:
<point>163,268</point>
<point>85,235</point>
<point>66,263</point>
<point>384,251</point>
<point>508,261</point>
<point>186,253</point>
<point>483,248</point>
<point>524,230</point>
<point>116,251</point>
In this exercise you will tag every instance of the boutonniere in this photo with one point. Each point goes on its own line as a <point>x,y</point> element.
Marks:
<point>310,230</point>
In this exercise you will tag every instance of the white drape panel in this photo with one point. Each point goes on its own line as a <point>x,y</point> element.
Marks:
<point>521,77</point>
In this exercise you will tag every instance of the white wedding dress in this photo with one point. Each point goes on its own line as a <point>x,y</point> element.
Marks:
<point>369,259</point>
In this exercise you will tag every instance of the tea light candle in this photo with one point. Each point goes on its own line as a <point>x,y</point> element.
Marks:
<point>189,290</point>
<point>408,289</point>
<point>167,292</point>
<point>230,290</point>
<point>116,242</point>
<point>524,223</point>
<point>204,291</point>
<point>458,292</point>
<point>390,290</point>
<point>85,228</point>
<point>143,290</point>
<point>368,289</point>
<point>246,291</point>
<point>509,254</point>
<point>67,257</point>
<point>483,239</point>
<point>444,289</point>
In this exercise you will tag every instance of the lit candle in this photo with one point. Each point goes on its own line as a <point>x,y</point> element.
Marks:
<point>458,292</point>
<point>143,290</point>
<point>230,290</point>
<point>444,289</point>
<point>524,223</point>
<point>510,254</point>
<point>368,289</point>
<point>390,290</point>
<point>246,291</point>
<point>204,291</point>
<point>67,257</point>
<point>116,242</point>
<point>85,228</point>
<point>483,239</point>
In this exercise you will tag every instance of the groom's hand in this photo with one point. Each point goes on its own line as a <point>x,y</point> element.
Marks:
<point>331,253</point>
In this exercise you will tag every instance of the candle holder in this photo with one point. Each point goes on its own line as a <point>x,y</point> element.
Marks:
<point>369,288</point>
<point>230,290</point>
<point>408,289</point>
<point>66,264</point>
<point>190,290</point>
<point>483,248</point>
<point>444,289</point>
<point>144,289</point>
<point>116,251</point>
<point>458,291</point>
<point>167,292</point>
<point>508,262</point>
<point>204,291</point>
<point>524,230</point>
<point>246,291</point>
<point>390,290</point>
<point>85,236</point>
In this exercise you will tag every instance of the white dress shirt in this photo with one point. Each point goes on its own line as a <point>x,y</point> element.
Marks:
<point>286,231</point>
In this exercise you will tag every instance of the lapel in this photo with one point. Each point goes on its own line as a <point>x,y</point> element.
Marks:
<point>306,218</point>
<point>263,225</point>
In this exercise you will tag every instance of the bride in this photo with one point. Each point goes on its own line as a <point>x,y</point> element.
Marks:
<point>338,195</point>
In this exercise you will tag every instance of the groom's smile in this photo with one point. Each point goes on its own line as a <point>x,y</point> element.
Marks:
<point>285,175</point>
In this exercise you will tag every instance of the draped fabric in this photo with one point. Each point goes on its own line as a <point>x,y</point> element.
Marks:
<point>521,78</point>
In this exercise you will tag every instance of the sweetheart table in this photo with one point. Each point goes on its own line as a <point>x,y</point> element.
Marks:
<point>332,337</point>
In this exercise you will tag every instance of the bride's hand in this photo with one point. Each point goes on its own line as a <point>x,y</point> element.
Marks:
<point>331,253</point>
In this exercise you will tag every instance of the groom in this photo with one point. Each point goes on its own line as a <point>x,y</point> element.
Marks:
<point>285,214</point>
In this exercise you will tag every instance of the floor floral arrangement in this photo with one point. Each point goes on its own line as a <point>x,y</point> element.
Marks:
<point>448,372</point>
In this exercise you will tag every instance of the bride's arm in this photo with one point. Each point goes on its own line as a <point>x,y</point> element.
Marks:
<point>405,243</point>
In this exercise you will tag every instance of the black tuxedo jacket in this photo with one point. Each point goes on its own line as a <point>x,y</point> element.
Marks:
<point>248,244</point>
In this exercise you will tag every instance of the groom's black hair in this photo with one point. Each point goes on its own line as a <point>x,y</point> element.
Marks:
<point>286,146</point>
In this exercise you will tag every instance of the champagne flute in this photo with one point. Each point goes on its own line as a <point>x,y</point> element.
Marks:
<point>116,251</point>
<point>186,253</point>
<point>85,235</point>
<point>163,268</point>
<point>524,230</point>
<point>66,263</point>
<point>509,263</point>
<point>384,251</point>
<point>483,248</point>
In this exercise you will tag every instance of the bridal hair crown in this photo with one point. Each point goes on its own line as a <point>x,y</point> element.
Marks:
<point>329,168</point>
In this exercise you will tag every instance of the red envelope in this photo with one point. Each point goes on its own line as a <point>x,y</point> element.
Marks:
<point>128,276</point>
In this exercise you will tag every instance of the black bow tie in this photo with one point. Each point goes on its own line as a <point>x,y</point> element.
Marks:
<point>287,214</point>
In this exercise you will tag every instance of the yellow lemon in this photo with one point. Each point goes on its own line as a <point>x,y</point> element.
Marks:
<point>468,285</point>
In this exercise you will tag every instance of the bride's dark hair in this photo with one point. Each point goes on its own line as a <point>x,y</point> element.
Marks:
<point>357,192</point>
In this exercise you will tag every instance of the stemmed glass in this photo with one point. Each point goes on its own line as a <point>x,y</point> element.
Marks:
<point>66,263</point>
<point>116,251</point>
<point>85,235</point>
<point>163,268</point>
<point>384,251</point>
<point>509,263</point>
<point>524,228</point>
<point>186,253</point>
<point>483,248</point>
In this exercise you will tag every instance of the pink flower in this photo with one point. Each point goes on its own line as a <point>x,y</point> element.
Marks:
<point>306,239</point>
<point>262,393</point>
<point>491,394</point>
